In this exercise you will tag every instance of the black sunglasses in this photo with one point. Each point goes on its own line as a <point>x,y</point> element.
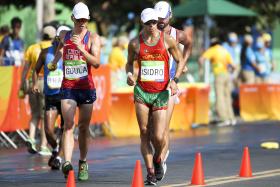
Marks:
<point>151,22</point>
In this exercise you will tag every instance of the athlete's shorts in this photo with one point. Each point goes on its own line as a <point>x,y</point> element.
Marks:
<point>52,102</point>
<point>155,101</point>
<point>81,96</point>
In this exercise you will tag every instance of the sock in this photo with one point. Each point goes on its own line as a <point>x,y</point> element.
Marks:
<point>150,170</point>
<point>82,161</point>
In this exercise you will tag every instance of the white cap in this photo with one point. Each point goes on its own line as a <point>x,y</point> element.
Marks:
<point>80,11</point>
<point>163,9</point>
<point>62,28</point>
<point>148,14</point>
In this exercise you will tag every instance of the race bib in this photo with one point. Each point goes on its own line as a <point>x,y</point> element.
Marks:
<point>54,79</point>
<point>75,70</point>
<point>262,68</point>
<point>152,71</point>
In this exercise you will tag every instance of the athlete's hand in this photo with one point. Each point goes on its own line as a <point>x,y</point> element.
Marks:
<point>77,41</point>
<point>130,79</point>
<point>173,87</point>
<point>185,69</point>
<point>52,66</point>
<point>35,88</point>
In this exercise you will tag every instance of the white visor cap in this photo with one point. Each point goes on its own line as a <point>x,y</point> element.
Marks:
<point>148,14</point>
<point>163,9</point>
<point>62,28</point>
<point>80,11</point>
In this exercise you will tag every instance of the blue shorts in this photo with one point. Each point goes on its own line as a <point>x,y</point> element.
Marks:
<point>79,95</point>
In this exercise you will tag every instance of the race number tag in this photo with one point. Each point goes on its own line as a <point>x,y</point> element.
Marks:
<point>54,79</point>
<point>262,68</point>
<point>75,70</point>
<point>152,71</point>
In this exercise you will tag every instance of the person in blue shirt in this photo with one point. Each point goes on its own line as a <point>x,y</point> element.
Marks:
<point>234,48</point>
<point>262,76</point>
<point>12,46</point>
<point>52,84</point>
<point>248,61</point>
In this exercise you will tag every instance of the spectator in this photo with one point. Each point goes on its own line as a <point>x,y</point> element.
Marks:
<point>263,63</point>
<point>234,49</point>
<point>221,61</point>
<point>4,31</point>
<point>12,46</point>
<point>117,61</point>
<point>248,61</point>
<point>268,51</point>
<point>117,58</point>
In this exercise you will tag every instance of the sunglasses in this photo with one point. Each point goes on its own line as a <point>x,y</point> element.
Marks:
<point>81,20</point>
<point>151,22</point>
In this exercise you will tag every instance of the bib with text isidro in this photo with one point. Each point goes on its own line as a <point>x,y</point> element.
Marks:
<point>152,71</point>
<point>54,79</point>
<point>75,69</point>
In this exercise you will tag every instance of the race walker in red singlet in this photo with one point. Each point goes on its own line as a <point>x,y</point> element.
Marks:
<point>77,72</point>
<point>153,76</point>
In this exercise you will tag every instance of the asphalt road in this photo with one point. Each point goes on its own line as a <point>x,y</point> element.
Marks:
<point>112,161</point>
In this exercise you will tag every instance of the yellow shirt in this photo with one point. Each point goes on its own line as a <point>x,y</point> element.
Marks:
<point>220,59</point>
<point>32,54</point>
<point>117,59</point>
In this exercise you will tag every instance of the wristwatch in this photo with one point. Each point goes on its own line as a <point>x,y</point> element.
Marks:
<point>175,79</point>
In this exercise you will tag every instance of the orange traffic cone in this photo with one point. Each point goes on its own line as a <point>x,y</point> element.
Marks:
<point>245,169</point>
<point>71,179</point>
<point>137,180</point>
<point>198,174</point>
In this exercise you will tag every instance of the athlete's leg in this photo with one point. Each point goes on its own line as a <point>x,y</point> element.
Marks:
<point>169,113</point>
<point>35,116</point>
<point>142,114</point>
<point>68,108</point>
<point>84,120</point>
<point>50,118</point>
<point>159,126</point>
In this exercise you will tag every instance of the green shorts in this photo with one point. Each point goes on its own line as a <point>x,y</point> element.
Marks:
<point>155,101</point>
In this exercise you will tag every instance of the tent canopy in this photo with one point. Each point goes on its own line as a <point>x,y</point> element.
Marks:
<point>211,8</point>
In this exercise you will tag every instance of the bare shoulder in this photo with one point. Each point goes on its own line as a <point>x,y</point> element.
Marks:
<point>169,40</point>
<point>184,36</point>
<point>95,37</point>
<point>134,45</point>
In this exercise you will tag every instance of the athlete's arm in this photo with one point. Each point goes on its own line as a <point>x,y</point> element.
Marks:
<point>177,56</point>
<point>132,56</point>
<point>58,53</point>
<point>185,38</point>
<point>93,57</point>
<point>176,53</point>
<point>38,67</point>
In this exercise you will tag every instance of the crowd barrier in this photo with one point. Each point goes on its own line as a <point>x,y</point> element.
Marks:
<point>15,113</point>
<point>193,108</point>
<point>115,109</point>
<point>260,102</point>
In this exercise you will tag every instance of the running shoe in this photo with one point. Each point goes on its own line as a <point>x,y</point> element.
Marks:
<point>45,151</point>
<point>66,167</point>
<point>31,146</point>
<point>151,180</point>
<point>83,171</point>
<point>159,171</point>
<point>56,163</point>
<point>164,163</point>
<point>51,159</point>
